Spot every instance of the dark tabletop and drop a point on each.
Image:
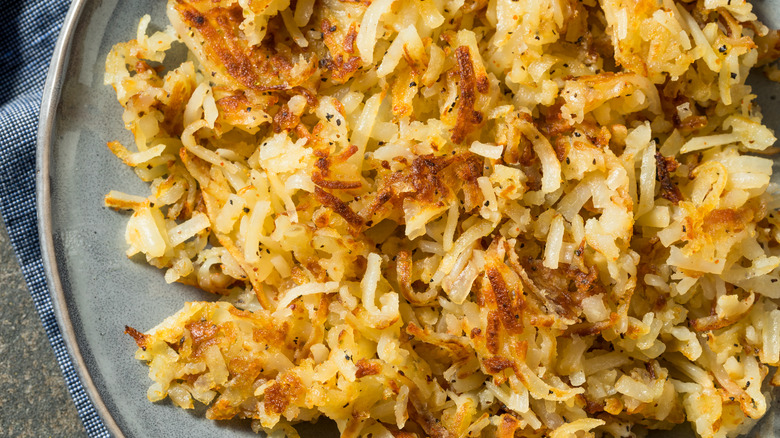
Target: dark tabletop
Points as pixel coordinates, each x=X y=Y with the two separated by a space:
x=34 y=401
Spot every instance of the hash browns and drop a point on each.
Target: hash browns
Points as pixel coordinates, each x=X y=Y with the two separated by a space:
x=458 y=218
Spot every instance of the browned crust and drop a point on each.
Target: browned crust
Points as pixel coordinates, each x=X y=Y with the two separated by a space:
x=727 y=220
x=243 y=373
x=340 y=207
x=326 y=161
x=435 y=181
x=591 y=406
x=173 y=120
x=496 y=364
x=566 y=286
x=508 y=426
x=508 y=308
x=555 y=124
x=284 y=120
x=256 y=68
x=586 y=282
x=342 y=63
x=203 y=334
x=140 y=339
x=669 y=190
x=492 y=335
x=467 y=115
x=279 y=395
x=337 y=185
x=367 y=368
x=403 y=268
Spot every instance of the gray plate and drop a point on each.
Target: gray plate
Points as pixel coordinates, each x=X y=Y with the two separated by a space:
x=96 y=291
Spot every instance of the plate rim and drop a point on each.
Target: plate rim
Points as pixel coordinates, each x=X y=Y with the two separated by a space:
x=50 y=101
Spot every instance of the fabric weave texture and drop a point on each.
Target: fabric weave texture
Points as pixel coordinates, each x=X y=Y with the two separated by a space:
x=27 y=37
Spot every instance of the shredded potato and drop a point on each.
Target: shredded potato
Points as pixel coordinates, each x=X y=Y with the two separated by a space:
x=463 y=218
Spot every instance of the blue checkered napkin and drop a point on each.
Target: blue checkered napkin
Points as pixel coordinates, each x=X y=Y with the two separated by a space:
x=28 y=31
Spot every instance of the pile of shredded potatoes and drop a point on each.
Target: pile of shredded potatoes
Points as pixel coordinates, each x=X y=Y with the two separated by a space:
x=455 y=218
